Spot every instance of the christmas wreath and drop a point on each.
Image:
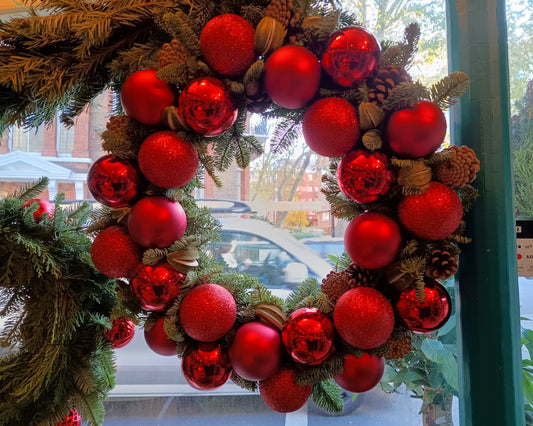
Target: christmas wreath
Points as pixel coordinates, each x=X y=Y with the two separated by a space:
x=188 y=72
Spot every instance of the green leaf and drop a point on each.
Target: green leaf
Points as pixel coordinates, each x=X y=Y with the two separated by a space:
x=447 y=364
x=528 y=388
x=448 y=327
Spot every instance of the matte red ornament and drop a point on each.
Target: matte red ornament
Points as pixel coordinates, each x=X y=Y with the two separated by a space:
x=155 y=287
x=429 y=315
x=156 y=222
x=205 y=366
x=372 y=240
x=114 y=253
x=364 y=176
x=417 y=131
x=145 y=97
x=114 y=182
x=364 y=317
x=308 y=336
x=255 y=352
x=292 y=76
x=158 y=341
x=330 y=127
x=361 y=373
x=228 y=44
x=121 y=332
x=352 y=56
x=45 y=207
x=208 y=312
x=206 y=106
x=167 y=160
x=73 y=419
x=282 y=394
x=433 y=215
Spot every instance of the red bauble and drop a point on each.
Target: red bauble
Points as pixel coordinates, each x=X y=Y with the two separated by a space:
x=156 y=287
x=157 y=339
x=167 y=160
x=205 y=366
x=45 y=207
x=364 y=317
x=228 y=44
x=417 y=131
x=330 y=127
x=114 y=253
x=364 y=176
x=208 y=312
x=145 y=97
x=308 y=336
x=433 y=215
x=429 y=315
x=372 y=240
x=156 y=222
x=292 y=76
x=73 y=419
x=352 y=56
x=361 y=373
x=206 y=106
x=113 y=182
x=255 y=353
x=282 y=394
x=121 y=332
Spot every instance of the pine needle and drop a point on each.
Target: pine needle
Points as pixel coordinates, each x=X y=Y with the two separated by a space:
x=328 y=396
x=447 y=91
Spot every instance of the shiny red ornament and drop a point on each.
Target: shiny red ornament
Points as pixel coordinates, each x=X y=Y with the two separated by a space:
x=364 y=317
x=73 y=419
x=145 y=97
x=282 y=394
x=417 y=131
x=372 y=240
x=429 y=315
x=114 y=182
x=228 y=44
x=330 y=127
x=308 y=336
x=167 y=160
x=157 y=339
x=433 y=215
x=208 y=312
x=156 y=222
x=364 y=176
x=292 y=76
x=45 y=207
x=206 y=366
x=121 y=332
x=206 y=106
x=114 y=253
x=352 y=56
x=255 y=352
x=155 y=287
x=362 y=373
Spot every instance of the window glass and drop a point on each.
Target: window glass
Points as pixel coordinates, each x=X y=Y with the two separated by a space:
x=66 y=140
x=27 y=140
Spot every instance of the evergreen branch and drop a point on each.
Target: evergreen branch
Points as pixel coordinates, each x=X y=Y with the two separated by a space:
x=32 y=189
x=243 y=383
x=446 y=92
x=328 y=396
x=405 y=95
x=285 y=134
x=309 y=288
x=468 y=195
x=179 y=27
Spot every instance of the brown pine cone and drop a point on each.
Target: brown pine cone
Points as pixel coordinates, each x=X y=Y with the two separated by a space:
x=117 y=124
x=281 y=10
x=359 y=277
x=398 y=346
x=460 y=169
x=442 y=264
x=385 y=80
x=257 y=99
x=335 y=285
x=172 y=53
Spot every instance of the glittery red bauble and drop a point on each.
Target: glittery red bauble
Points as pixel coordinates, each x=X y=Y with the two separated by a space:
x=145 y=97
x=330 y=127
x=352 y=56
x=73 y=419
x=292 y=76
x=157 y=339
x=364 y=317
x=433 y=215
x=282 y=394
x=308 y=336
x=372 y=240
x=113 y=182
x=429 y=315
x=364 y=176
x=361 y=373
x=205 y=366
x=255 y=352
x=45 y=207
x=228 y=44
x=167 y=160
x=156 y=287
x=208 y=312
x=206 y=106
x=114 y=253
x=121 y=332
x=156 y=222
x=417 y=131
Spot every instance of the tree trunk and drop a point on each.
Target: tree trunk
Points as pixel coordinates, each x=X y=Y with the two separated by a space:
x=438 y=413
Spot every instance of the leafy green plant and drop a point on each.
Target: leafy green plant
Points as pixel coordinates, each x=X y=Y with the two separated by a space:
x=527 y=374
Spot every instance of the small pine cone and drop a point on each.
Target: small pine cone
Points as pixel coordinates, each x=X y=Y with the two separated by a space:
x=281 y=10
x=398 y=346
x=172 y=53
x=385 y=80
x=442 y=264
x=117 y=124
x=335 y=285
x=359 y=277
x=460 y=169
x=257 y=99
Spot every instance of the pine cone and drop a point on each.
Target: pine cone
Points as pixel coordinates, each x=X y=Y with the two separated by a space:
x=335 y=285
x=398 y=346
x=386 y=79
x=172 y=53
x=460 y=169
x=117 y=124
x=359 y=277
x=257 y=99
x=442 y=264
x=283 y=11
